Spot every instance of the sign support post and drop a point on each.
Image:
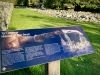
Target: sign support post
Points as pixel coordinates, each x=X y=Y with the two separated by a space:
x=52 y=68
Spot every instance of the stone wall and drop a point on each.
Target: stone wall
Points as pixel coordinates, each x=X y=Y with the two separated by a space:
x=71 y=15
x=5 y=14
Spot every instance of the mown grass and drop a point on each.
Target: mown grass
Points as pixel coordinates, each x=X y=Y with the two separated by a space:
x=83 y=65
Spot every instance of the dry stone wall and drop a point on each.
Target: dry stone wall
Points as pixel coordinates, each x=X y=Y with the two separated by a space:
x=71 y=15
x=5 y=14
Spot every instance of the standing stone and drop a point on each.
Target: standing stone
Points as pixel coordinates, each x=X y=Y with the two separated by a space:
x=5 y=14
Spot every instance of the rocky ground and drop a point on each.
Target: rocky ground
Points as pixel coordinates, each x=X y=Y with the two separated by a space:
x=71 y=14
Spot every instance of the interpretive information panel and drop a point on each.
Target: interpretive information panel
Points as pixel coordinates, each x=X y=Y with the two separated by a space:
x=24 y=48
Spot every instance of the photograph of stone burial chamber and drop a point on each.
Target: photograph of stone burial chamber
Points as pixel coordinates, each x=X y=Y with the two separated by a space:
x=75 y=41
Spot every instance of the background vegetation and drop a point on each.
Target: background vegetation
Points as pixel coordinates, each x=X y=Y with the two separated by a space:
x=77 y=5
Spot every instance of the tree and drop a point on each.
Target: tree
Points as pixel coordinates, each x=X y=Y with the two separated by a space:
x=19 y=2
x=25 y=2
x=49 y=3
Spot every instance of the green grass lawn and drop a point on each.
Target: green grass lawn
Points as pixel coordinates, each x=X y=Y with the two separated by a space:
x=83 y=65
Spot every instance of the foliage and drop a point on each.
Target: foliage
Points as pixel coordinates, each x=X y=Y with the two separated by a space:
x=34 y=3
x=19 y=2
x=49 y=3
x=25 y=2
x=10 y=1
x=87 y=5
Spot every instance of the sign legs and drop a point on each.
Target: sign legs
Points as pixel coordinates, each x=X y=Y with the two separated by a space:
x=52 y=68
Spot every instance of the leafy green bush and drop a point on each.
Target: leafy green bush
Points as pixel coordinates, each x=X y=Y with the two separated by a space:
x=86 y=5
x=10 y=1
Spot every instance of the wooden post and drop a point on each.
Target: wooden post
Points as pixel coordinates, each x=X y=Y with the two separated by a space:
x=52 y=68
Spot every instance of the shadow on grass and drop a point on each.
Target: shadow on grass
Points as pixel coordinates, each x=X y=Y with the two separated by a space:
x=47 y=26
x=30 y=16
